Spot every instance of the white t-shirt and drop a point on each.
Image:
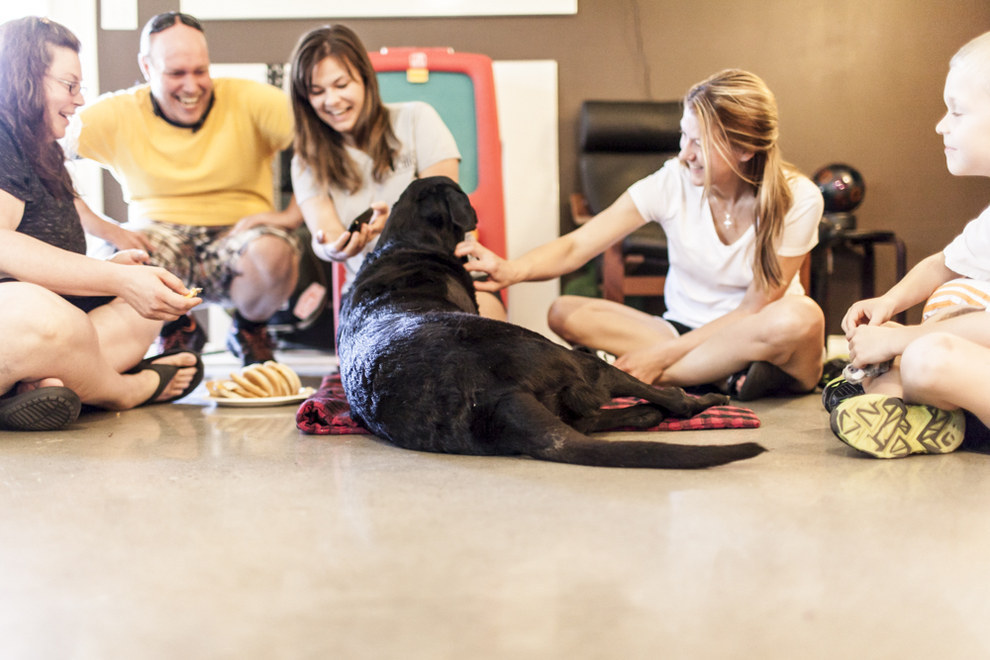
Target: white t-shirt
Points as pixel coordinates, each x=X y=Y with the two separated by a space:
x=708 y=279
x=969 y=253
x=424 y=141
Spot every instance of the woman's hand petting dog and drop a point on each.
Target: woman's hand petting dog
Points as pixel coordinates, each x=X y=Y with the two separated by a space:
x=483 y=260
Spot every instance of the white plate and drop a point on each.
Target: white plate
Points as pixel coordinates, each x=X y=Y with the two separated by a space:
x=263 y=401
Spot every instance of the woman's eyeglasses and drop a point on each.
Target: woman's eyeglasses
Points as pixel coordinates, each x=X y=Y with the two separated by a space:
x=73 y=86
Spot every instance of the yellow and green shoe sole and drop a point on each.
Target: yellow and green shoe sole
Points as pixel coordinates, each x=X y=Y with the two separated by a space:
x=886 y=427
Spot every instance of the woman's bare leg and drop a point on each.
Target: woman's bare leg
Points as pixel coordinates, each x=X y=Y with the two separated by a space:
x=789 y=333
x=490 y=306
x=48 y=338
x=124 y=334
x=606 y=325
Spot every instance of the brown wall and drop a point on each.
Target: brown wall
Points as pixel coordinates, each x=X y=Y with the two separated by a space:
x=857 y=82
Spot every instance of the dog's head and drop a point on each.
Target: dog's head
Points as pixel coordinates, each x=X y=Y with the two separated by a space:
x=432 y=214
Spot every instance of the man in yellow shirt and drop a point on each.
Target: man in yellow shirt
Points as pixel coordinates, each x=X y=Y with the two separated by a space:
x=194 y=157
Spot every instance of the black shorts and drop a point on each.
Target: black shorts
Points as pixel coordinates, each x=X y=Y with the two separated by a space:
x=88 y=303
x=680 y=327
x=85 y=303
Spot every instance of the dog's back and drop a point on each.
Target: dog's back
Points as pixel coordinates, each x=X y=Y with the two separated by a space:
x=422 y=370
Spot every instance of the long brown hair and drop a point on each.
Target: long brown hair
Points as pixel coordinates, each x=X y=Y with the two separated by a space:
x=25 y=55
x=737 y=111
x=320 y=146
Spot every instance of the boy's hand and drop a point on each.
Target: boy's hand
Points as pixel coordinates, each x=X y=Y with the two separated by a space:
x=872 y=311
x=869 y=344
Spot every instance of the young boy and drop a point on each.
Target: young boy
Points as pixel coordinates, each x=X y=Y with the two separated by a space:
x=917 y=406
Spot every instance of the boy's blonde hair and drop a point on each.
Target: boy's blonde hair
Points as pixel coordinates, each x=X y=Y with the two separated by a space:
x=975 y=55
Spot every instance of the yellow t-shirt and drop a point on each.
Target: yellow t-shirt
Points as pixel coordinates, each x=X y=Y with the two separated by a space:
x=213 y=176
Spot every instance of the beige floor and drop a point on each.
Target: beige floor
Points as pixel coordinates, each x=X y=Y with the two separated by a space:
x=190 y=531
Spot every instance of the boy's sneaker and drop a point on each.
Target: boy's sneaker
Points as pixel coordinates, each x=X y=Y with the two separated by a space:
x=251 y=343
x=181 y=335
x=838 y=390
x=832 y=370
x=886 y=427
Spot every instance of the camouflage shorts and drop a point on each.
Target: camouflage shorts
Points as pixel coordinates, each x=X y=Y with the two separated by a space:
x=205 y=257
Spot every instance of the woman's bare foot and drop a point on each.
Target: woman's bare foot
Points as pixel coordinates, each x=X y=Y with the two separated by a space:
x=28 y=385
x=150 y=380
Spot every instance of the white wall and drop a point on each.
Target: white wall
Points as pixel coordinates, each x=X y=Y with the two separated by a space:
x=255 y=9
x=526 y=92
x=80 y=17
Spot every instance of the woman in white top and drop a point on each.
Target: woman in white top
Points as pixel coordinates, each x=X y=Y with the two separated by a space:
x=353 y=152
x=739 y=222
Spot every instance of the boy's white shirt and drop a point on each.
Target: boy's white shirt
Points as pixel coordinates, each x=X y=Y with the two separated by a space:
x=969 y=253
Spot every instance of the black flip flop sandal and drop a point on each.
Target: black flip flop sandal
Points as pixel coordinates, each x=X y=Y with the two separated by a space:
x=165 y=374
x=764 y=379
x=40 y=409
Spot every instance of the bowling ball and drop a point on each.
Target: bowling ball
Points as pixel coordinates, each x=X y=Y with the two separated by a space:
x=842 y=187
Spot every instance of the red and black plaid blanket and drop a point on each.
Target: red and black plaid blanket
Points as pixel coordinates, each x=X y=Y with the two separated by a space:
x=328 y=413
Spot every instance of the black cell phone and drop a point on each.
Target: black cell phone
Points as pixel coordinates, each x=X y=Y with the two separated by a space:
x=362 y=219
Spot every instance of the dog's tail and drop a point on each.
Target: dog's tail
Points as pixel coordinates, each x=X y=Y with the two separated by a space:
x=527 y=427
x=584 y=450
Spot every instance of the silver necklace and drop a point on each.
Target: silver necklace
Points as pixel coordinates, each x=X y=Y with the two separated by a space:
x=727 y=222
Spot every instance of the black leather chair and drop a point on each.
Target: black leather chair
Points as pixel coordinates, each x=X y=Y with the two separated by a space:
x=620 y=142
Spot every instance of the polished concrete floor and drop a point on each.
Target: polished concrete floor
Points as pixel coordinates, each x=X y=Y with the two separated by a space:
x=191 y=531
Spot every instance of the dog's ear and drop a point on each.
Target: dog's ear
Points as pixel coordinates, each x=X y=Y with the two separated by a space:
x=461 y=211
x=446 y=205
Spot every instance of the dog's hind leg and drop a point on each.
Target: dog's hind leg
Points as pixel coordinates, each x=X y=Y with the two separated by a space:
x=672 y=400
x=524 y=426
x=638 y=416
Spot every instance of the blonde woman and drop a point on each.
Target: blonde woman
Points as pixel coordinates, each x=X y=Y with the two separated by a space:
x=739 y=222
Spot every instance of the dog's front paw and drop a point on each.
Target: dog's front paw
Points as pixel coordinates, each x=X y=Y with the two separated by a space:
x=711 y=399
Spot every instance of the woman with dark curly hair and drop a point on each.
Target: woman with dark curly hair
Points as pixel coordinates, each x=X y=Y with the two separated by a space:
x=75 y=328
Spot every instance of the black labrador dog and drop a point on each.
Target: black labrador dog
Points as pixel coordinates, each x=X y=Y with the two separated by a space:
x=422 y=370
